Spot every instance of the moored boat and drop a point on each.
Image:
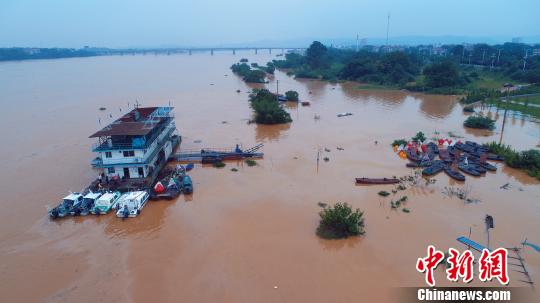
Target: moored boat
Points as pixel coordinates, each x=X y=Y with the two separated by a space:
x=434 y=169
x=377 y=180
x=104 y=203
x=187 y=185
x=83 y=208
x=454 y=174
x=131 y=203
x=419 y=164
x=468 y=169
x=65 y=207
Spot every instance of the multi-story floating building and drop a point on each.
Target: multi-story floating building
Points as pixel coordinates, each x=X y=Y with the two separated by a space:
x=137 y=145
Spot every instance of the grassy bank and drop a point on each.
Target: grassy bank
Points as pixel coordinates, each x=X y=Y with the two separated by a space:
x=528 y=160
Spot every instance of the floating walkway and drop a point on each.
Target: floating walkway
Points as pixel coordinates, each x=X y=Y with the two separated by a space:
x=211 y=155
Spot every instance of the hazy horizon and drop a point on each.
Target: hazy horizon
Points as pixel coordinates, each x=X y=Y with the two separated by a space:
x=63 y=23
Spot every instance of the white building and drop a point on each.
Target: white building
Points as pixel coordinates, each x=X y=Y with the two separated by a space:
x=138 y=144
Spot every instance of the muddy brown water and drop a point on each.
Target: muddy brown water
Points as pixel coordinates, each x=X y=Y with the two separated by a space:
x=242 y=236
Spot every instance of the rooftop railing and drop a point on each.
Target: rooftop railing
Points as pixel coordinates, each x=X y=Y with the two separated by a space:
x=105 y=146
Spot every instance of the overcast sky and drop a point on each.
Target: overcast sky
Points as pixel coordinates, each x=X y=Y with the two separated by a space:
x=137 y=23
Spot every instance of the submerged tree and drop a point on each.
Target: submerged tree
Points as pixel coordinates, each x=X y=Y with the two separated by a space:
x=291 y=95
x=267 y=108
x=340 y=221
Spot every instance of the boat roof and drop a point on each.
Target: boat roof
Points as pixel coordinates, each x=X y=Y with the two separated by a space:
x=92 y=195
x=107 y=196
x=72 y=196
x=132 y=195
x=138 y=122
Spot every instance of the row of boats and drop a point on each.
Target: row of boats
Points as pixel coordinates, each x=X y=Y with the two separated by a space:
x=126 y=205
x=469 y=158
x=129 y=204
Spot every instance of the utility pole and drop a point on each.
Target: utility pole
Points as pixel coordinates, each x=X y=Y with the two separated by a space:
x=387 y=29
x=504 y=116
x=356 y=42
x=498 y=56
x=462 y=53
x=525 y=59
x=483 y=55
x=492 y=59
x=470 y=55
x=277 y=90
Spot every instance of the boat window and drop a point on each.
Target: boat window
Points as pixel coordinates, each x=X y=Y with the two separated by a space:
x=108 y=155
x=129 y=153
x=110 y=170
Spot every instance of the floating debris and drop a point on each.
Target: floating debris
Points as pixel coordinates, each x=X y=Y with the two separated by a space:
x=102 y=108
x=322 y=204
x=340 y=148
x=406 y=210
x=234 y=169
x=326 y=159
x=344 y=114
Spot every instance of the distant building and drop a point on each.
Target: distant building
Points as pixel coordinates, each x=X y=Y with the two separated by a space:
x=536 y=52
x=137 y=145
x=517 y=40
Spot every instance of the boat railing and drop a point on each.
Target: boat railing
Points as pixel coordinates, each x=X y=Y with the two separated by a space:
x=104 y=146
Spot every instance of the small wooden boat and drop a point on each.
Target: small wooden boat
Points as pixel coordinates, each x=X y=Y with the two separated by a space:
x=189 y=166
x=494 y=157
x=434 y=169
x=187 y=185
x=454 y=174
x=468 y=169
x=419 y=164
x=305 y=103
x=434 y=148
x=444 y=155
x=478 y=168
x=486 y=165
x=414 y=156
x=344 y=114
x=377 y=180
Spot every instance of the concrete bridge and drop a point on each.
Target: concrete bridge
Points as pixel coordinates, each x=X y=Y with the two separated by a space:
x=211 y=50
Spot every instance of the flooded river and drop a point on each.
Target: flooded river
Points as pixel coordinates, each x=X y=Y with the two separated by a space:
x=243 y=236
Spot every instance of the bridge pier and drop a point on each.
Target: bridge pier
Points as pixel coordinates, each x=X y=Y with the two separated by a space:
x=269 y=50
x=190 y=52
x=255 y=51
x=282 y=51
x=234 y=51
x=212 y=52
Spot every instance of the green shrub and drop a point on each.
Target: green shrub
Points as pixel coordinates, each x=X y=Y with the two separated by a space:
x=419 y=137
x=479 y=122
x=267 y=108
x=468 y=109
x=399 y=142
x=251 y=162
x=383 y=193
x=291 y=95
x=218 y=164
x=340 y=221
x=234 y=169
x=528 y=160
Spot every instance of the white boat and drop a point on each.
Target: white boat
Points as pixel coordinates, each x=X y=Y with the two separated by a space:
x=104 y=203
x=130 y=204
x=65 y=207
x=85 y=207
